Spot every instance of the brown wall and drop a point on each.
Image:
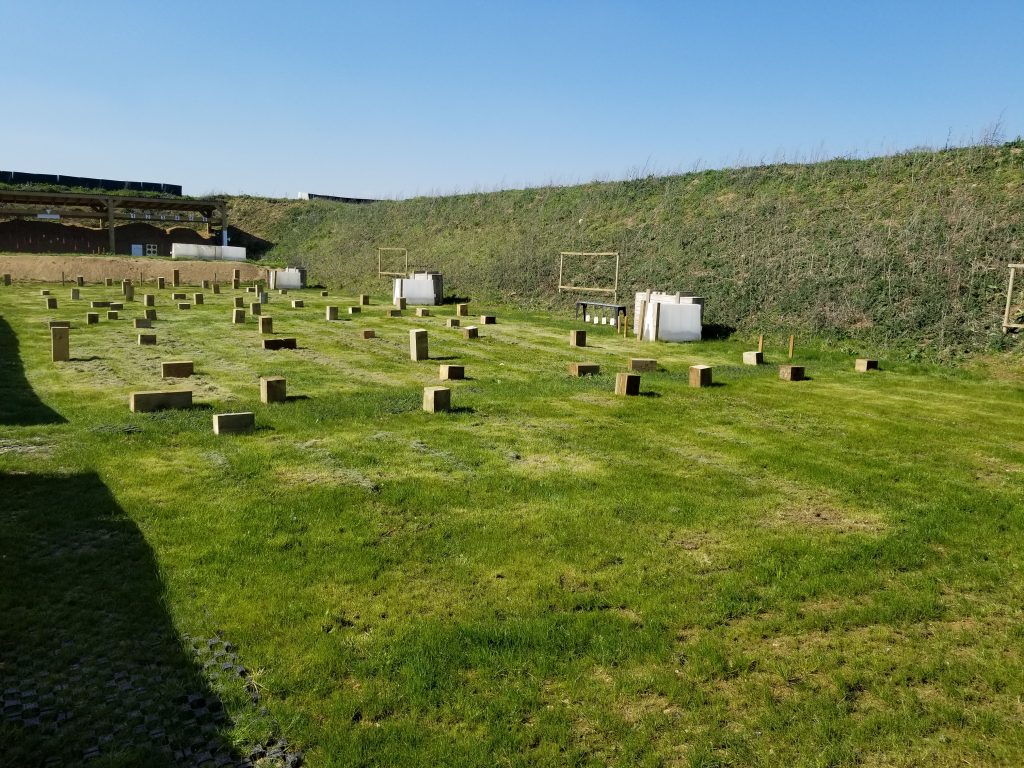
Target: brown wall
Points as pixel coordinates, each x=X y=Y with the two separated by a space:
x=47 y=268
x=30 y=236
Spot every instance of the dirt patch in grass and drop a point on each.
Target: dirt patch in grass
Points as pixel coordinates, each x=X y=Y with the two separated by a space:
x=32 y=446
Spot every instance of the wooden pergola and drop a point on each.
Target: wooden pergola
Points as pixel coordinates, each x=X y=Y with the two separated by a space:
x=108 y=209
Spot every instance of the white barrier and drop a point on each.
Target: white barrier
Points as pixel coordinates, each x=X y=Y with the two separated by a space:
x=207 y=252
x=668 y=317
x=292 y=277
x=420 y=288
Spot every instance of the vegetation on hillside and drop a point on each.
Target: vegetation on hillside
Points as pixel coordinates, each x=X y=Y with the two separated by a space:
x=908 y=250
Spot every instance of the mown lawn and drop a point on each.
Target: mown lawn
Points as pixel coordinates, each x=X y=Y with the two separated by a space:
x=758 y=574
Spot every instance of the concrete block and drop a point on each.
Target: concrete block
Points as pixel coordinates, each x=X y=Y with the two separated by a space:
x=158 y=400
x=642 y=364
x=51 y=302
x=234 y=423
x=791 y=372
x=99 y=304
x=330 y=313
x=238 y=316
x=60 y=345
x=863 y=365
x=422 y=312
x=148 y=300
x=452 y=322
x=418 y=344
x=177 y=297
x=198 y=298
x=627 y=384
x=364 y=299
x=577 y=338
x=184 y=305
x=150 y=314
x=177 y=369
x=239 y=302
x=280 y=344
x=273 y=389
x=452 y=372
x=470 y=332
x=111 y=314
x=91 y=318
x=117 y=306
x=147 y=339
x=143 y=323
x=462 y=310
x=175 y=277
x=700 y=375
x=436 y=399
x=75 y=294
x=400 y=302
x=354 y=310
x=80 y=281
x=160 y=282
x=367 y=334
x=255 y=308
x=584 y=369
x=488 y=319
x=266 y=324
x=298 y=304
x=753 y=358
x=393 y=313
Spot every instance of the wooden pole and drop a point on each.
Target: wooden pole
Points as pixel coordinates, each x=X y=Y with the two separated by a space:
x=760 y=342
x=791 y=339
x=1009 y=301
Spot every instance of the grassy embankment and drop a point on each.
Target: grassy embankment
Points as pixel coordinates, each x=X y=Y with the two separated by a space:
x=909 y=251
x=761 y=573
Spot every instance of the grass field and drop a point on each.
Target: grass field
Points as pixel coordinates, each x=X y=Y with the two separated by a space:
x=763 y=573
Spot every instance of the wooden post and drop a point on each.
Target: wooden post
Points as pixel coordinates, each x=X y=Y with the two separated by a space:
x=110 y=222
x=1009 y=300
x=791 y=339
x=760 y=342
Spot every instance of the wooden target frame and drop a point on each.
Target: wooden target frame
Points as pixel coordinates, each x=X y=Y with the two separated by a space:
x=1007 y=325
x=613 y=289
x=380 y=262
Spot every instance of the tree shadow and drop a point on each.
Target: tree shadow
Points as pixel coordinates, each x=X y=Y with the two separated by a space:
x=20 y=404
x=91 y=663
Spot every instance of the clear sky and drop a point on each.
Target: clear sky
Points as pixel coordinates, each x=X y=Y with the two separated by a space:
x=393 y=99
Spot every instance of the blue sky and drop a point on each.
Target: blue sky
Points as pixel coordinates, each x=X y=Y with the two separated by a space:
x=384 y=99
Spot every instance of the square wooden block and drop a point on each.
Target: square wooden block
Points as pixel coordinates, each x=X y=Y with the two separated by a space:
x=642 y=364
x=266 y=324
x=700 y=375
x=393 y=313
x=584 y=369
x=791 y=372
x=577 y=338
x=422 y=312
x=330 y=313
x=142 y=402
x=627 y=384
x=150 y=314
x=177 y=369
x=273 y=389
x=298 y=304
x=111 y=314
x=470 y=332
x=452 y=322
x=863 y=365
x=60 y=345
x=753 y=358
x=488 y=320
x=184 y=305
x=141 y=322
x=354 y=310
x=147 y=339
x=364 y=299
x=437 y=399
x=462 y=310
x=400 y=302
x=238 y=316
x=234 y=423
x=91 y=318
x=452 y=372
x=418 y=344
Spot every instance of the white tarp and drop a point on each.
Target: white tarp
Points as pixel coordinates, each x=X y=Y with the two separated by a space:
x=292 y=277
x=668 y=317
x=207 y=252
x=420 y=288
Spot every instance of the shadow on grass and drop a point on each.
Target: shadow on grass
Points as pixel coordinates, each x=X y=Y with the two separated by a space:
x=443 y=357
x=295 y=398
x=88 y=359
x=649 y=393
x=19 y=404
x=92 y=664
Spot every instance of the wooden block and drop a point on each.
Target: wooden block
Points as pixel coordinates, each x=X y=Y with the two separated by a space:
x=700 y=375
x=100 y=304
x=184 y=305
x=177 y=369
x=331 y=313
x=354 y=310
x=364 y=299
x=236 y=274
x=418 y=344
x=158 y=400
x=160 y=282
x=753 y=358
x=368 y=334
x=643 y=364
x=323 y=293
x=280 y=344
x=577 y=338
x=400 y=302
x=44 y=292
x=452 y=322
x=266 y=324
x=470 y=332
x=147 y=339
x=422 y=312
x=627 y=384
x=234 y=423
x=150 y=314
x=91 y=318
x=584 y=369
x=488 y=319
x=143 y=323
x=282 y=291
x=177 y=297
x=298 y=304
x=462 y=310
x=436 y=399
x=198 y=298
x=216 y=289
x=80 y=281
x=273 y=389
x=111 y=314
x=452 y=372
x=117 y=306
x=239 y=302
x=393 y=313
x=75 y=294
x=791 y=372
x=238 y=316
x=60 y=345
x=250 y=289
x=255 y=308
x=7 y=278
x=235 y=284
x=148 y=300
x=129 y=292
x=175 y=277
x=863 y=365
x=206 y=285
x=51 y=302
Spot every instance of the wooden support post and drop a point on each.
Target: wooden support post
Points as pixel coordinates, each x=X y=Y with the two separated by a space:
x=760 y=342
x=791 y=341
x=110 y=224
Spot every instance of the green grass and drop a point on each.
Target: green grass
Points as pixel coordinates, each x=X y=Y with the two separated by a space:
x=824 y=573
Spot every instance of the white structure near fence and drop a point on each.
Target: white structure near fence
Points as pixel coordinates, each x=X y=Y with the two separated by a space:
x=668 y=317
x=292 y=277
x=207 y=252
x=420 y=288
